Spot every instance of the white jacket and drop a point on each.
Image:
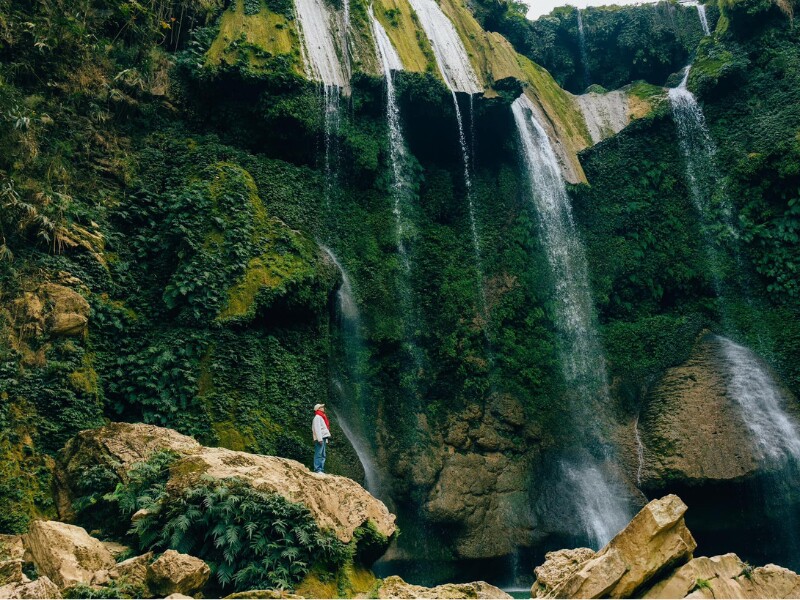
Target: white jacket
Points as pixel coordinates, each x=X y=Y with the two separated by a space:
x=318 y=429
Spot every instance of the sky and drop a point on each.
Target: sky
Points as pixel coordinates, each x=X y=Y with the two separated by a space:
x=542 y=7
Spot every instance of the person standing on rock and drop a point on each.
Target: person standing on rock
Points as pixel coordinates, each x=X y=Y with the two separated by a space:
x=320 y=429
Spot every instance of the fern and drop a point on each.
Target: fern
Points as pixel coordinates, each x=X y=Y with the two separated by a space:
x=251 y=539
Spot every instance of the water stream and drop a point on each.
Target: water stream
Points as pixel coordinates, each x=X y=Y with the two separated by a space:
x=701 y=12
x=352 y=408
x=319 y=33
x=595 y=498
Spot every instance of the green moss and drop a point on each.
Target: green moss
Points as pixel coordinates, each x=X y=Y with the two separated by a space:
x=255 y=39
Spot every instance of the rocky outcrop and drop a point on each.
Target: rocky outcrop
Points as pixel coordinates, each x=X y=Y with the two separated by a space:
x=52 y=309
x=726 y=577
x=656 y=539
x=395 y=587
x=691 y=430
x=66 y=554
x=336 y=503
x=41 y=588
x=652 y=558
x=175 y=573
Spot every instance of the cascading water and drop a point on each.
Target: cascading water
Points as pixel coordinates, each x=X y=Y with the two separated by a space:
x=750 y=384
x=701 y=12
x=596 y=500
x=459 y=76
x=351 y=404
x=639 y=452
x=775 y=438
x=318 y=27
x=390 y=62
x=451 y=56
x=587 y=77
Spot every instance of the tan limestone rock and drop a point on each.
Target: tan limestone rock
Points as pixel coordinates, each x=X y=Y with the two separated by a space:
x=66 y=553
x=557 y=567
x=595 y=578
x=336 y=503
x=41 y=588
x=177 y=596
x=656 y=539
x=133 y=571
x=116 y=549
x=726 y=577
x=11 y=572
x=395 y=587
x=691 y=430
x=11 y=547
x=174 y=572
x=68 y=310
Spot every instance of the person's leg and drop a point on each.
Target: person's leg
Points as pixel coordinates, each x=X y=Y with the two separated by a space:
x=319 y=457
x=324 y=456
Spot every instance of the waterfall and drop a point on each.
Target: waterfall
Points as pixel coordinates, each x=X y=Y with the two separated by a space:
x=390 y=61
x=602 y=512
x=352 y=407
x=699 y=152
x=459 y=76
x=701 y=12
x=317 y=25
x=587 y=78
x=451 y=56
x=761 y=402
x=639 y=452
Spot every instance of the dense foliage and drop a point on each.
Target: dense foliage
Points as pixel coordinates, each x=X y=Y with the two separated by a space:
x=621 y=44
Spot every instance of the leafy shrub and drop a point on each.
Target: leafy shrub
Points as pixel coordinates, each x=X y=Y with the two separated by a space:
x=251 y=539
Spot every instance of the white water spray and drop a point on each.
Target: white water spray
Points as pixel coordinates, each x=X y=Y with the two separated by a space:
x=601 y=511
x=318 y=35
x=448 y=49
x=701 y=12
x=761 y=402
x=587 y=77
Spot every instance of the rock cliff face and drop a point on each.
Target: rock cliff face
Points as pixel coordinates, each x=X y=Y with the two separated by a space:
x=653 y=558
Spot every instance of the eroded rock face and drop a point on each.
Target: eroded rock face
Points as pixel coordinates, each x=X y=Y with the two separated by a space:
x=66 y=554
x=395 y=587
x=41 y=588
x=656 y=539
x=336 y=503
x=692 y=432
x=52 y=309
x=557 y=568
x=175 y=573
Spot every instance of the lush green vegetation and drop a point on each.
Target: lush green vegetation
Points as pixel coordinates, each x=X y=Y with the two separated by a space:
x=187 y=198
x=623 y=43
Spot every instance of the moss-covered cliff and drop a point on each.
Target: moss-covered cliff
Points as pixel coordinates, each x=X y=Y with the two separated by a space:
x=173 y=168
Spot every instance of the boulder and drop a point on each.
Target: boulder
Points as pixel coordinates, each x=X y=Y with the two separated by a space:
x=133 y=571
x=176 y=573
x=116 y=549
x=692 y=431
x=336 y=503
x=11 y=547
x=11 y=572
x=726 y=577
x=68 y=310
x=395 y=587
x=41 y=588
x=655 y=540
x=557 y=567
x=65 y=553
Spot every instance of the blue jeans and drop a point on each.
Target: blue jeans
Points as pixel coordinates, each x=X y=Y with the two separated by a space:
x=320 y=452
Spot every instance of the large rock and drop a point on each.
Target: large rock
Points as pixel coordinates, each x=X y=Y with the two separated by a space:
x=175 y=573
x=557 y=568
x=655 y=540
x=395 y=587
x=726 y=577
x=41 y=588
x=11 y=572
x=65 y=553
x=336 y=503
x=133 y=571
x=692 y=431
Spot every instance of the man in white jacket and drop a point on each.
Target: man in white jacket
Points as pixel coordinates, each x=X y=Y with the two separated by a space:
x=320 y=429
